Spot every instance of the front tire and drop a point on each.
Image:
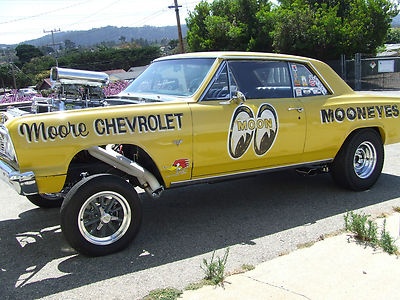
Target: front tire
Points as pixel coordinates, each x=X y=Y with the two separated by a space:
x=359 y=162
x=101 y=215
x=46 y=200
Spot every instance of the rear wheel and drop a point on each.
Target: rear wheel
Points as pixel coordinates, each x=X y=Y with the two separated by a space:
x=359 y=162
x=100 y=215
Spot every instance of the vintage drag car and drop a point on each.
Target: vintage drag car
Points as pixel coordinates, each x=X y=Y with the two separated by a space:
x=190 y=118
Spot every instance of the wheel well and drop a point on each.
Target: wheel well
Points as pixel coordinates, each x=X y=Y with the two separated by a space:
x=138 y=155
x=381 y=132
x=358 y=164
x=378 y=130
x=83 y=163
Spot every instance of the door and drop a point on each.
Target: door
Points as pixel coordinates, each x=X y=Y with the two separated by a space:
x=262 y=128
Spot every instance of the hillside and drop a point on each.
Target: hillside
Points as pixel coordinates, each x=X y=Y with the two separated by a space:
x=95 y=36
x=396 y=21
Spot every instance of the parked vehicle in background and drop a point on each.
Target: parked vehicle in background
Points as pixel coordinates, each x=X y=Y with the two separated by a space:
x=27 y=92
x=189 y=118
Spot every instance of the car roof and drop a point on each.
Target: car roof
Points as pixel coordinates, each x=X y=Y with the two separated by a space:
x=236 y=55
x=330 y=77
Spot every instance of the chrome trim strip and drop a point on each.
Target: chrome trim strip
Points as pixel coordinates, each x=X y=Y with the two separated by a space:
x=23 y=183
x=246 y=173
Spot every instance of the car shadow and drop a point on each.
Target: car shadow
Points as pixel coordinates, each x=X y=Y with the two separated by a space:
x=36 y=261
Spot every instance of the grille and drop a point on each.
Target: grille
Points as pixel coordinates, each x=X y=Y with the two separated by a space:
x=3 y=141
x=2 y=145
x=6 y=147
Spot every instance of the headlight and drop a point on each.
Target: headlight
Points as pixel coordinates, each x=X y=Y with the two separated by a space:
x=6 y=145
x=3 y=118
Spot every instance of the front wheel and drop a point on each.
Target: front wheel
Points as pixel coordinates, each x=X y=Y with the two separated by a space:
x=359 y=162
x=101 y=215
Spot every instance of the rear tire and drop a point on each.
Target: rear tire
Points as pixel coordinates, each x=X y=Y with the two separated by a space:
x=359 y=162
x=101 y=215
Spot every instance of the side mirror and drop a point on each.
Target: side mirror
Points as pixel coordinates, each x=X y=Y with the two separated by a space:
x=238 y=98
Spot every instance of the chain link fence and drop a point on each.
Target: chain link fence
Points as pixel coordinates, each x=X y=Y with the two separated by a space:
x=369 y=73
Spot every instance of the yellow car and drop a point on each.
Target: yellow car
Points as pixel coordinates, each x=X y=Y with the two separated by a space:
x=190 y=118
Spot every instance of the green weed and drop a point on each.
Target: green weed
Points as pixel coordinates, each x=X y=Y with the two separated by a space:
x=247 y=267
x=215 y=268
x=164 y=294
x=197 y=285
x=387 y=242
x=366 y=231
x=396 y=208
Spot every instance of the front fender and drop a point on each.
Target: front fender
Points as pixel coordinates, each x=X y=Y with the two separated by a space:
x=46 y=143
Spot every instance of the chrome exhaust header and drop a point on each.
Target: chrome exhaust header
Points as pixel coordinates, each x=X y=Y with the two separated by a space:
x=73 y=76
x=146 y=179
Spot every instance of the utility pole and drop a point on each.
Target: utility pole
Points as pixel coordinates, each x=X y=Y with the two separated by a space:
x=176 y=6
x=10 y=62
x=53 y=43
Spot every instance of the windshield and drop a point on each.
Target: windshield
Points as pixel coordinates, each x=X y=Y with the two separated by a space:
x=174 y=77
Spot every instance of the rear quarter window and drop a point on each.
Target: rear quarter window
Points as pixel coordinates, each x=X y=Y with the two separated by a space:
x=305 y=82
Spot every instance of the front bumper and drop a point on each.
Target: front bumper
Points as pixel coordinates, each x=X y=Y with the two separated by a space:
x=23 y=183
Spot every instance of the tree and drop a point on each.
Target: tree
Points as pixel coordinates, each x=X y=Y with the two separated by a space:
x=393 y=36
x=368 y=23
x=6 y=76
x=105 y=58
x=26 y=52
x=323 y=29
x=230 y=25
x=38 y=65
x=100 y=59
x=327 y=28
x=310 y=31
x=69 y=45
x=122 y=39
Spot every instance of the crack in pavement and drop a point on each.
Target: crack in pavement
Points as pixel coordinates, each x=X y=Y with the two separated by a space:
x=278 y=287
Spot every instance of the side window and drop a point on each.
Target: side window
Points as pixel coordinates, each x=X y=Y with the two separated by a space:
x=222 y=84
x=305 y=83
x=258 y=79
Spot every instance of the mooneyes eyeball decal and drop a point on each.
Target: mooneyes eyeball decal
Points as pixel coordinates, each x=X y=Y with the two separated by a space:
x=245 y=127
x=240 y=135
x=266 y=129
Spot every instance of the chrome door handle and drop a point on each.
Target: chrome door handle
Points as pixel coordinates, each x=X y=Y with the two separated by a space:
x=299 y=109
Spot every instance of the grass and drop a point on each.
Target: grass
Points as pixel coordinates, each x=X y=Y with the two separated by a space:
x=396 y=209
x=197 y=285
x=215 y=271
x=163 y=294
x=247 y=267
x=215 y=268
x=306 y=245
x=362 y=227
x=365 y=230
x=387 y=242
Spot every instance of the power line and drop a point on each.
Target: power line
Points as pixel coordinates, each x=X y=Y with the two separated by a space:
x=44 y=13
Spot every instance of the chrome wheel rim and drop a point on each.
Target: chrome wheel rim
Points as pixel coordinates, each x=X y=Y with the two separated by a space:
x=365 y=159
x=104 y=218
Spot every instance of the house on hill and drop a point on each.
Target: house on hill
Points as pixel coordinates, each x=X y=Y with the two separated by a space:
x=44 y=85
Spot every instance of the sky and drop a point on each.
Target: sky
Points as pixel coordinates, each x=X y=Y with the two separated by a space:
x=22 y=20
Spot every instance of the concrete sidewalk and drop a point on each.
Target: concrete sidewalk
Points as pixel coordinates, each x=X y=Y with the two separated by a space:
x=336 y=268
